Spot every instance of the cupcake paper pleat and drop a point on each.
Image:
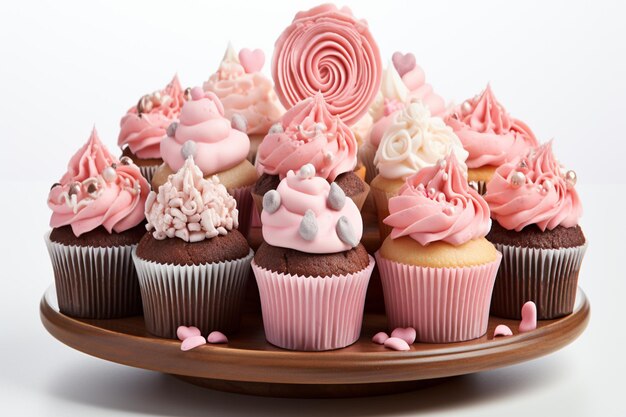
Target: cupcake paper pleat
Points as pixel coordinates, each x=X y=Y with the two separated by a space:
x=244 y=205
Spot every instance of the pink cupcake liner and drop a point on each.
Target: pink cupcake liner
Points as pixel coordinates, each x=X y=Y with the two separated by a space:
x=245 y=204
x=312 y=313
x=443 y=304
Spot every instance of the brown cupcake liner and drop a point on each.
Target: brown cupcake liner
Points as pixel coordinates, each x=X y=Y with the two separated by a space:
x=95 y=282
x=208 y=296
x=244 y=205
x=548 y=277
x=366 y=155
x=147 y=171
x=480 y=186
x=381 y=203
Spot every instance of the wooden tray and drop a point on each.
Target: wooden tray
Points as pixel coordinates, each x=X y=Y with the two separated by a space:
x=248 y=364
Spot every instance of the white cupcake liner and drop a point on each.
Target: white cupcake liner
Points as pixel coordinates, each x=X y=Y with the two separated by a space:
x=548 y=277
x=312 y=313
x=245 y=204
x=148 y=171
x=366 y=155
x=443 y=305
x=95 y=282
x=207 y=296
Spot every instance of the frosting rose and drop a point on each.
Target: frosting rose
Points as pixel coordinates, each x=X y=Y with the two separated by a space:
x=309 y=134
x=437 y=204
x=534 y=189
x=145 y=124
x=327 y=49
x=204 y=133
x=488 y=133
x=308 y=214
x=190 y=207
x=415 y=140
x=98 y=190
x=246 y=91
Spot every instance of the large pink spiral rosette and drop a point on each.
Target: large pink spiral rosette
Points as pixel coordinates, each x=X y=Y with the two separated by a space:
x=327 y=49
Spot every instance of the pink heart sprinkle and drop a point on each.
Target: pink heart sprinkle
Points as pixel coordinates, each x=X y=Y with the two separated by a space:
x=251 y=61
x=502 y=330
x=395 y=343
x=380 y=338
x=529 y=317
x=192 y=342
x=217 y=337
x=184 y=332
x=408 y=334
x=403 y=62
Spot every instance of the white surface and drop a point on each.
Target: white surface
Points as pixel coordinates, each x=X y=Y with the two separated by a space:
x=559 y=66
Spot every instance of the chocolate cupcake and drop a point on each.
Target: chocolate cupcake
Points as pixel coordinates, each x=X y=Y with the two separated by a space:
x=536 y=210
x=97 y=215
x=193 y=264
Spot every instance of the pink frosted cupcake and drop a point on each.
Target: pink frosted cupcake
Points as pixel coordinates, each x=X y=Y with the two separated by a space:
x=490 y=135
x=436 y=267
x=246 y=92
x=312 y=272
x=145 y=124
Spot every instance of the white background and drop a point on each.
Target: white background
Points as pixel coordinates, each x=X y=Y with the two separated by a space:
x=67 y=65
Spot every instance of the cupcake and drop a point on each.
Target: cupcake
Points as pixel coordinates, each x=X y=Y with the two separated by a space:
x=309 y=134
x=97 y=214
x=403 y=82
x=311 y=271
x=145 y=124
x=413 y=140
x=490 y=135
x=193 y=264
x=217 y=148
x=437 y=269
x=246 y=92
x=536 y=211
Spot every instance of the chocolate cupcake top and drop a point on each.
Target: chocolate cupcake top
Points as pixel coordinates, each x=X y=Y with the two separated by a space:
x=98 y=190
x=190 y=207
x=534 y=189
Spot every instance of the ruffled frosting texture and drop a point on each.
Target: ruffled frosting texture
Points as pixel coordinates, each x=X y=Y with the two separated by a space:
x=98 y=190
x=190 y=207
x=309 y=134
x=142 y=129
x=534 y=189
x=488 y=133
x=204 y=133
x=303 y=195
x=245 y=91
x=437 y=204
x=327 y=49
x=415 y=140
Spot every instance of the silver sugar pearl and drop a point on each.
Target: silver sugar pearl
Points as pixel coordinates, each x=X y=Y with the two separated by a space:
x=171 y=129
x=307 y=171
x=188 y=149
x=431 y=192
x=109 y=174
x=124 y=160
x=441 y=163
x=570 y=178
x=466 y=107
x=517 y=179
x=547 y=185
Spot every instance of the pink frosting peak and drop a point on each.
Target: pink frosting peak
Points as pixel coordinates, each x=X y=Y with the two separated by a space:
x=488 y=133
x=145 y=124
x=534 y=189
x=98 y=190
x=327 y=49
x=309 y=134
x=437 y=204
x=308 y=214
x=204 y=133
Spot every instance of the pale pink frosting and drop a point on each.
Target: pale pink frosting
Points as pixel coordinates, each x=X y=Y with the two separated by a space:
x=437 y=204
x=204 y=133
x=116 y=202
x=298 y=195
x=310 y=135
x=142 y=132
x=544 y=198
x=190 y=207
x=488 y=133
x=248 y=94
x=327 y=49
x=419 y=90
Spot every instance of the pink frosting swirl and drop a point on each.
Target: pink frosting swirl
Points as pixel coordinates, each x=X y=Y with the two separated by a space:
x=301 y=216
x=534 y=189
x=142 y=131
x=204 y=133
x=327 y=49
x=309 y=134
x=437 y=204
x=488 y=133
x=98 y=190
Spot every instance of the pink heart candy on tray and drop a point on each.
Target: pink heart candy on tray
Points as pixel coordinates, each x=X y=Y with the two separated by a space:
x=380 y=338
x=192 y=342
x=251 y=61
x=403 y=62
x=395 y=343
x=408 y=334
x=502 y=330
x=529 y=317
x=217 y=337
x=184 y=332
